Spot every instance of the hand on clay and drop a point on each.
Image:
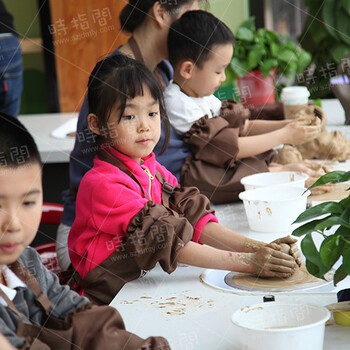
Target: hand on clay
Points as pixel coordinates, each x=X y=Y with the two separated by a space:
x=297 y=134
x=287 y=245
x=269 y=262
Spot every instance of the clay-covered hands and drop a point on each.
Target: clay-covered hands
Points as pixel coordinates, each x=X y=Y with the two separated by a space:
x=296 y=133
x=287 y=245
x=270 y=262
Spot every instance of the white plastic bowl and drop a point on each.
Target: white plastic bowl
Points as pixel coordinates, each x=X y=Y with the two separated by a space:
x=284 y=178
x=278 y=325
x=271 y=209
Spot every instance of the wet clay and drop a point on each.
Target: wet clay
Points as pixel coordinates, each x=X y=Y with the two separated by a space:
x=328 y=145
x=289 y=154
x=301 y=276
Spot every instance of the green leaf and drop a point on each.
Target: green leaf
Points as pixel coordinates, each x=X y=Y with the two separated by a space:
x=339 y=51
x=346 y=259
x=345 y=217
x=274 y=49
x=346 y=5
x=344 y=269
x=340 y=274
x=249 y=24
x=342 y=25
x=332 y=177
x=330 y=221
x=313 y=257
x=287 y=56
x=239 y=67
x=329 y=18
x=254 y=56
x=307 y=228
x=331 y=250
x=304 y=59
x=243 y=33
x=318 y=102
x=268 y=65
x=320 y=209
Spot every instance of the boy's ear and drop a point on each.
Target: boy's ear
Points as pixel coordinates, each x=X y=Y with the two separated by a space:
x=94 y=124
x=186 y=69
x=160 y=14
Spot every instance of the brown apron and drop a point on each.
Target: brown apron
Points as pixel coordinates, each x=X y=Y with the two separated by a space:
x=213 y=166
x=89 y=327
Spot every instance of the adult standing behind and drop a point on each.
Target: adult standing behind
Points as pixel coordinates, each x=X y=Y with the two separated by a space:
x=148 y=21
x=11 y=84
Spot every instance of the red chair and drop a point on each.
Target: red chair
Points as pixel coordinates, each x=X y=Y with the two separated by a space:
x=51 y=214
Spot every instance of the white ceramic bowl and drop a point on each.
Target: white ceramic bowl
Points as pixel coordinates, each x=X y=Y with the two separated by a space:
x=278 y=325
x=284 y=178
x=273 y=209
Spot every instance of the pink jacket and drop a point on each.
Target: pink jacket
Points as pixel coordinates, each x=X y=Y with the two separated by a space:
x=107 y=201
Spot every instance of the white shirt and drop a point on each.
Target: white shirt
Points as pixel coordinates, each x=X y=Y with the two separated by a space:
x=183 y=111
x=12 y=282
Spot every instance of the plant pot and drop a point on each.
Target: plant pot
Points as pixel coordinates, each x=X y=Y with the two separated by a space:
x=255 y=89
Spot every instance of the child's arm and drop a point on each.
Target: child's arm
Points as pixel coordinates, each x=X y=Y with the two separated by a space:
x=63 y=299
x=237 y=253
x=257 y=127
x=264 y=262
x=291 y=133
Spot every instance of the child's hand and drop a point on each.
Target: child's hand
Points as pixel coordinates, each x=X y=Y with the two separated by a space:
x=269 y=262
x=297 y=133
x=287 y=245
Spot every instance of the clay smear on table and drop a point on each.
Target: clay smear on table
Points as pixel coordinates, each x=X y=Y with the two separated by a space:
x=181 y=304
x=301 y=276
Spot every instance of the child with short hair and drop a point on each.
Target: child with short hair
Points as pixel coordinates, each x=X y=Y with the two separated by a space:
x=225 y=144
x=131 y=213
x=37 y=312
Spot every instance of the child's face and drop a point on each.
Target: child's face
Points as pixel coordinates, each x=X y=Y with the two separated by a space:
x=21 y=202
x=206 y=80
x=137 y=131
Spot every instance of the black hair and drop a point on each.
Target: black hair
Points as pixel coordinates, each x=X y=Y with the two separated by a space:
x=135 y=12
x=116 y=79
x=194 y=34
x=17 y=146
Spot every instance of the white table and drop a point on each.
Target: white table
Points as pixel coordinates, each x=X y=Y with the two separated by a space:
x=192 y=315
x=52 y=150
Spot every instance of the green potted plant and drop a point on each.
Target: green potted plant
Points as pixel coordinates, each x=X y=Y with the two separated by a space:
x=332 y=221
x=326 y=35
x=259 y=54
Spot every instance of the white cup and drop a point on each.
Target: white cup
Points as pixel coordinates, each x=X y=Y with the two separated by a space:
x=293 y=98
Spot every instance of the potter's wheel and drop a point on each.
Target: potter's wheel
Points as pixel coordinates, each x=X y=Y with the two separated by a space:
x=225 y=280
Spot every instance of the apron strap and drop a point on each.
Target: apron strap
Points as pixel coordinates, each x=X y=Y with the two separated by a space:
x=107 y=157
x=24 y=275
x=12 y=306
x=167 y=190
x=135 y=49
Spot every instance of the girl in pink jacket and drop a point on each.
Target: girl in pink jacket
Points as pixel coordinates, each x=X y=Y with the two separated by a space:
x=131 y=213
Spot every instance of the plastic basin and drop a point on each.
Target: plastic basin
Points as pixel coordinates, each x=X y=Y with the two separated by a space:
x=284 y=178
x=269 y=209
x=277 y=326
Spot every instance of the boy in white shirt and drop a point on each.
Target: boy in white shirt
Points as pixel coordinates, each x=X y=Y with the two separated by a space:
x=225 y=144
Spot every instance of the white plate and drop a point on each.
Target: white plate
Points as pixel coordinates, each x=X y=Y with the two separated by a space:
x=216 y=279
x=66 y=128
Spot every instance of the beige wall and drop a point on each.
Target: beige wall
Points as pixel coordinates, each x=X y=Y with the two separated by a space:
x=231 y=12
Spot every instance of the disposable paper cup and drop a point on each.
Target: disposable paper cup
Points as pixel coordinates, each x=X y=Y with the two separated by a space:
x=277 y=325
x=293 y=98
